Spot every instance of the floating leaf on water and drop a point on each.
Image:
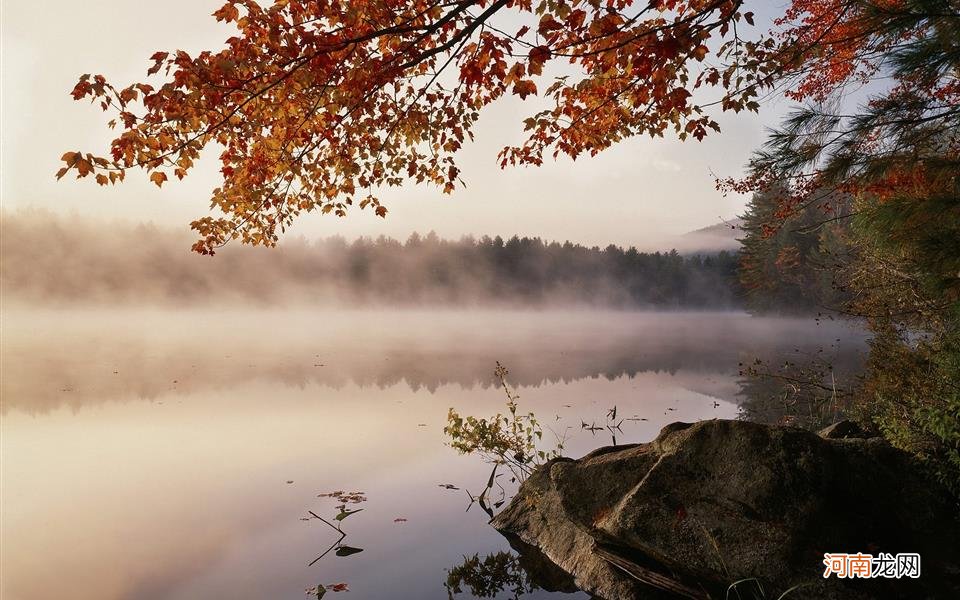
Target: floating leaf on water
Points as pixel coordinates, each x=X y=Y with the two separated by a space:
x=347 y=551
x=317 y=591
x=345 y=497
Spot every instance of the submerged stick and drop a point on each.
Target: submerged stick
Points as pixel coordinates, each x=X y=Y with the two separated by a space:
x=334 y=545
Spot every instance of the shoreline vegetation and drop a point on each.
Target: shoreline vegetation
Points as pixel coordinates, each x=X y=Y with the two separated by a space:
x=711 y=509
x=707 y=506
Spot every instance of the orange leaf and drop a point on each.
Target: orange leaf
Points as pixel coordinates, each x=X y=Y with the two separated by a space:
x=84 y=167
x=524 y=88
x=227 y=13
x=538 y=56
x=158 y=177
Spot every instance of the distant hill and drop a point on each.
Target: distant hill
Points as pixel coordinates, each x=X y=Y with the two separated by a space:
x=713 y=238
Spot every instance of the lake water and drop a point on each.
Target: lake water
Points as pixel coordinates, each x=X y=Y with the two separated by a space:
x=176 y=455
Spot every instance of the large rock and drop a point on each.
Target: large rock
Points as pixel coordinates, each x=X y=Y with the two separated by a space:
x=715 y=502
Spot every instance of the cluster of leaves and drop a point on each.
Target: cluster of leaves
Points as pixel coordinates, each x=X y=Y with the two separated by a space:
x=316 y=105
x=489 y=577
x=904 y=140
x=910 y=266
x=320 y=590
x=511 y=440
x=345 y=497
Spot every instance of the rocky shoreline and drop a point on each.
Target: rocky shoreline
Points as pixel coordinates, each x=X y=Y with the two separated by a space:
x=711 y=503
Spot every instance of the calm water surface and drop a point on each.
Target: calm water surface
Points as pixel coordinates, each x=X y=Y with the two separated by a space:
x=175 y=455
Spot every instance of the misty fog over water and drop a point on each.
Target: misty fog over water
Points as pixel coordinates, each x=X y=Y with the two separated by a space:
x=180 y=449
x=56 y=261
x=176 y=416
x=82 y=357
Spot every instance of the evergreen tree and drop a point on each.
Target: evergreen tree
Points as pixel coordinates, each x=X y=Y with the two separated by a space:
x=792 y=263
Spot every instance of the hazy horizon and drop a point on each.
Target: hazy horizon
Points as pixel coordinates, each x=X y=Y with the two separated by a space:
x=52 y=260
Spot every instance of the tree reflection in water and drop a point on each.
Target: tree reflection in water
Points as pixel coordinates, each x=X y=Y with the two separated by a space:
x=488 y=577
x=803 y=388
x=516 y=573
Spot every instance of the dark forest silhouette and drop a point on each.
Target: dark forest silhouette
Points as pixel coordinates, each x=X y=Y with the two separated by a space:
x=96 y=263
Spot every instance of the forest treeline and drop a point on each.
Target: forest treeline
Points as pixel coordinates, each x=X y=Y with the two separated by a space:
x=94 y=262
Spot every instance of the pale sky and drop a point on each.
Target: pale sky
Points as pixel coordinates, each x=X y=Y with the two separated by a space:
x=640 y=193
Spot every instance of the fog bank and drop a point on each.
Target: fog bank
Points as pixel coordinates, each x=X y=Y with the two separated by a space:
x=55 y=260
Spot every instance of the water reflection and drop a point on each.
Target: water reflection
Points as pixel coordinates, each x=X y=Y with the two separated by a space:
x=148 y=455
x=336 y=523
x=488 y=577
x=809 y=389
x=513 y=574
x=56 y=358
